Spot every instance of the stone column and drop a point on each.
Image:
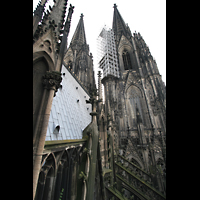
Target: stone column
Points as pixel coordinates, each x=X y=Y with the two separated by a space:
x=51 y=82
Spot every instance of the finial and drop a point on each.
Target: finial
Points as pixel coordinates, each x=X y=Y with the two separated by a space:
x=115 y=6
x=81 y=16
x=99 y=74
x=71 y=7
x=93 y=100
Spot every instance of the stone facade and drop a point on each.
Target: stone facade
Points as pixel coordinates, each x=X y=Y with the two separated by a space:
x=121 y=154
x=136 y=103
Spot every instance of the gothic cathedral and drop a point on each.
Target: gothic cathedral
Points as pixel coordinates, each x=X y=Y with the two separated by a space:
x=85 y=148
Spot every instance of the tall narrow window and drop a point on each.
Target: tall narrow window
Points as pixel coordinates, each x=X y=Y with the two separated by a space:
x=126 y=60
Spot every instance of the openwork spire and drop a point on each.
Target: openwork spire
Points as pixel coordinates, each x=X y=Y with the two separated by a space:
x=119 y=27
x=56 y=14
x=79 y=35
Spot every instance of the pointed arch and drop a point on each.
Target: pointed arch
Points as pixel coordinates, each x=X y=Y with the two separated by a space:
x=58 y=180
x=62 y=174
x=126 y=60
x=140 y=92
x=74 y=154
x=46 y=177
x=135 y=161
x=135 y=96
x=63 y=157
x=50 y=161
x=134 y=99
x=127 y=57
x=42 y=55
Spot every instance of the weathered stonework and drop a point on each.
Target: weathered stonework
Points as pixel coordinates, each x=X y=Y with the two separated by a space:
x=52 y=80
x=122 y=152
x=48 y=51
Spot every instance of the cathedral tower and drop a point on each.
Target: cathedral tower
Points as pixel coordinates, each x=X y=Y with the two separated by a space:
x=78 y=58
x=136 y=101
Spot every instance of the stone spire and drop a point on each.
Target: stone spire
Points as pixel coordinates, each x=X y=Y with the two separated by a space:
x=119 y=27
x=56 y=14
x=40 y=8
x=52 y=19
x=79 y=59
x=38 y=12
x=64 y=38
x=79 y=35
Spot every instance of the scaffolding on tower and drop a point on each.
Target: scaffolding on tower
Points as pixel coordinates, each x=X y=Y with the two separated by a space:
x=106 y=53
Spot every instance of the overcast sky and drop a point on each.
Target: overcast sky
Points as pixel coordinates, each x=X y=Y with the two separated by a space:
x=145 y=16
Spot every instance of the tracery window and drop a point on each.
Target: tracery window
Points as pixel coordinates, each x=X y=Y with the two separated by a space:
x=126 y=60
x=135 y=100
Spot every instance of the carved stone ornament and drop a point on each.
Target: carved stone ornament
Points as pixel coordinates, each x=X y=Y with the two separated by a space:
x=52 y=80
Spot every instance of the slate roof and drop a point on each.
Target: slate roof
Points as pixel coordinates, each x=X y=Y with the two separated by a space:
x=69 y=110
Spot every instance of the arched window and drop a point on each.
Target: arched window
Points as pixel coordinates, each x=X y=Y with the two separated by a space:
x=46 y=178
x=126 y=60
x=135 y=100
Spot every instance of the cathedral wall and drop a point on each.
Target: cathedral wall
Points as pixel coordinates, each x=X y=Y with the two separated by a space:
x=69 y=110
